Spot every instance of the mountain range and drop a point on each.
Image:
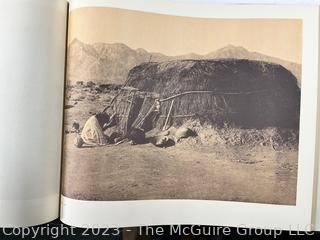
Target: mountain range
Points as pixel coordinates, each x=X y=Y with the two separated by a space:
x=110 y=62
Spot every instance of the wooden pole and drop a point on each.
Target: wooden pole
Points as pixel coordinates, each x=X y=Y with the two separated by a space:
x=212 y=92
x=167 y=119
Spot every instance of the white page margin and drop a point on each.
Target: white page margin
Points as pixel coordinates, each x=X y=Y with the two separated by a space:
x=32 y=46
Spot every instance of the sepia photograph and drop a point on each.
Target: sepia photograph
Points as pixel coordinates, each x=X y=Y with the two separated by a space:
x=173 y=107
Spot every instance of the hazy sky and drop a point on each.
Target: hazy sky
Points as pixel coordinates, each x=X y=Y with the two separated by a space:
x=172 y=35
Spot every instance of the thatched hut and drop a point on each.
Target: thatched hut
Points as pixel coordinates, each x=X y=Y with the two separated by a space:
x=244 y=93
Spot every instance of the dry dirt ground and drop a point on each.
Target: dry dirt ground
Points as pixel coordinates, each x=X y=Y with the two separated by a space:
x=185 y=171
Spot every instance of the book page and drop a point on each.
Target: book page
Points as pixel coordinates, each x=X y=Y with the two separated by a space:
x=190 y=114
x=32 y=47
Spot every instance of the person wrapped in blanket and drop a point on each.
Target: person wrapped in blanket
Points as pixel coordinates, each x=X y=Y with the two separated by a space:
x=92 y=133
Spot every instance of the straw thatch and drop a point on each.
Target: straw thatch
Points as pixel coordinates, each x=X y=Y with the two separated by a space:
x=244 y=93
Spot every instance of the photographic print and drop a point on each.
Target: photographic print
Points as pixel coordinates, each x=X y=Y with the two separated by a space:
x=172 y=107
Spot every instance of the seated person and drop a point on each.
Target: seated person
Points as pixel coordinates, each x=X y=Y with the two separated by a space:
x=93 y=130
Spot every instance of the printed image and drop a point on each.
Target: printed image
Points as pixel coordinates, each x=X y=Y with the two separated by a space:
x=171 y=107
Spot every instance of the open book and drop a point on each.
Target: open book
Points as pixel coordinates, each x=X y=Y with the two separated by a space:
x=135 y=112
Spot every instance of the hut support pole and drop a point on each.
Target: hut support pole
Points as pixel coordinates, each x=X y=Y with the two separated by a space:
x=167 y=119
x=128 y=111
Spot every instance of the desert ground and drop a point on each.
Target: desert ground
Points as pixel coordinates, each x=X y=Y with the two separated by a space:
x=235 y=167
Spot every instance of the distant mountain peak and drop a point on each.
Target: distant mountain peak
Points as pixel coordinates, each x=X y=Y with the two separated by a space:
x=141 y=50
x=231 y=47
x=119 y=45
x=76 y=41
x=111 y=62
